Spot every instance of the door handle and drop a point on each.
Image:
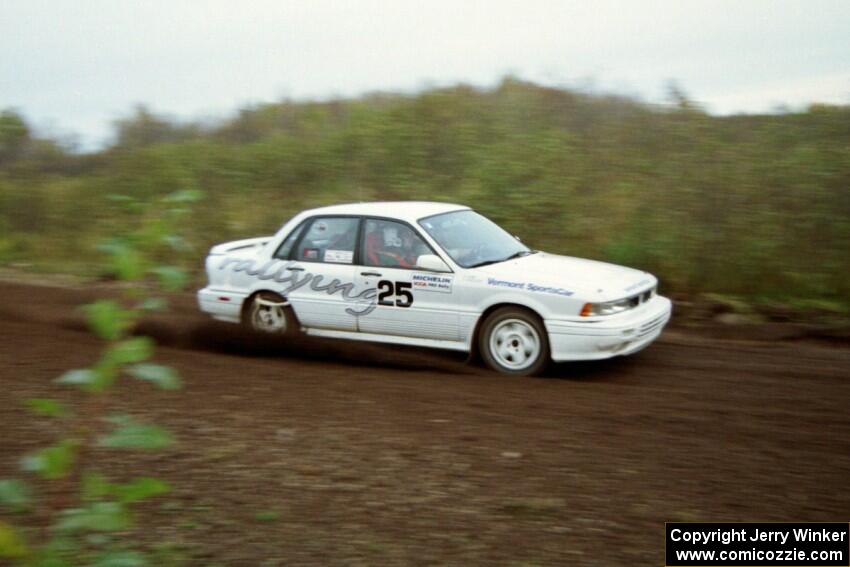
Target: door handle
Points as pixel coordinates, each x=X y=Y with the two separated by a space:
x=296 y=269
x=376 y=274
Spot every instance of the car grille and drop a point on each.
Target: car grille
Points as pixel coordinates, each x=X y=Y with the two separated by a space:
x=652 y=325
x=640 y=298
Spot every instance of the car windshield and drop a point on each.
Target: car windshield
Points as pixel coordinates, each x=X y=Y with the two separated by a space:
x=471 y=239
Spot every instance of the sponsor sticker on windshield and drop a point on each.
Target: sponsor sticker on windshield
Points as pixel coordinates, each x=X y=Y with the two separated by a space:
x=432 y=282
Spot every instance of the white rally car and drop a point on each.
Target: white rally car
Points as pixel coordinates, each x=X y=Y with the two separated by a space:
x=436 y=275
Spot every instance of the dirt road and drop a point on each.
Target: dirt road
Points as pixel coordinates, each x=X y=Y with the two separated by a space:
x=330 y=453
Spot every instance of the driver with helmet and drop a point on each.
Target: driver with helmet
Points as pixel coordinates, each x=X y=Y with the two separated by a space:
x=390 y=244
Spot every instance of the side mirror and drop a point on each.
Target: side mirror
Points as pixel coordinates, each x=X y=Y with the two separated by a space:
x=432 y=263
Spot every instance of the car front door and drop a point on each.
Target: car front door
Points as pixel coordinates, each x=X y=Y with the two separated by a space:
x=321 y=264
x=407 y=301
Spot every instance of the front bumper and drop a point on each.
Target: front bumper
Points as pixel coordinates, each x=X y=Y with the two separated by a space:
x=604 y=337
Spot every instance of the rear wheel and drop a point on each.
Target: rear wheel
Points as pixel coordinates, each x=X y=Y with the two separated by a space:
x=268 y=313
x=513 y=341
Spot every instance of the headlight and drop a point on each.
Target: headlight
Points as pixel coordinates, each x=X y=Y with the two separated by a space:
x=614 y=307
x=608 y=308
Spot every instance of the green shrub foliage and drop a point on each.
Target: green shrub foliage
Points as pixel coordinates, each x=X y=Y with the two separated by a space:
x=78 y=515
x=751 y=205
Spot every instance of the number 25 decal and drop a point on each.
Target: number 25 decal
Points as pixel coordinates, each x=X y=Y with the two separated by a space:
x=387 y=289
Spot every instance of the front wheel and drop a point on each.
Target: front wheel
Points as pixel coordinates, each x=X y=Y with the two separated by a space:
x=268 y=313
x=514 y=341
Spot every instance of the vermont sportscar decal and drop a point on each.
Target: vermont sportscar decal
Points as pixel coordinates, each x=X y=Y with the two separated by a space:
x=529 y=287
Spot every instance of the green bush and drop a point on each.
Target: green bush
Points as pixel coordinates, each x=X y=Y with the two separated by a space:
x=79 y=510
x=755 y=206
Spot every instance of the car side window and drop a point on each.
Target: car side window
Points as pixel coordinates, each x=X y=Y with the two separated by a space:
x=391 y=244
x=330 y=240
x=285 y=249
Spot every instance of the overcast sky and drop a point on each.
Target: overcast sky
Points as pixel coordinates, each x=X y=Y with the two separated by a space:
x=75 y=66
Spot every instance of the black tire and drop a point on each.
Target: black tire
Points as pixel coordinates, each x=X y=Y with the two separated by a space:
x=257 y=310
x=512 y=340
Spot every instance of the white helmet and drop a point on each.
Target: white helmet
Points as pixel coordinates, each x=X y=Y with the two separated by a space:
x=391 y=237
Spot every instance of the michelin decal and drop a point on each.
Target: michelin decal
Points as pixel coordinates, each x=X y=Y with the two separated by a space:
x=430 y=282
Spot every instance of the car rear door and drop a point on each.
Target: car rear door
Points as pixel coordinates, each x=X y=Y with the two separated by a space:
x=323 y=273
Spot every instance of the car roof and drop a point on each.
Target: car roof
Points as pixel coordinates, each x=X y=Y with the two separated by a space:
x=410 y=211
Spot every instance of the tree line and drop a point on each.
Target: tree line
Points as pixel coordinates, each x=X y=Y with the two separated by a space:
x=755 y=206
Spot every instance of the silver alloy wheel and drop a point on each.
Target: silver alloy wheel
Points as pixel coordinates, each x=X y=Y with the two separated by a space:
x=268 y=316
x=515 y=344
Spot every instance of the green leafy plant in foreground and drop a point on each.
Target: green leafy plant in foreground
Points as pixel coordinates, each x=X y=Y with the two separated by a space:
x=71 y=512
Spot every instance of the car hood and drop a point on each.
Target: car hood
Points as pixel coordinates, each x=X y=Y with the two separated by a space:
x=597 y=281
